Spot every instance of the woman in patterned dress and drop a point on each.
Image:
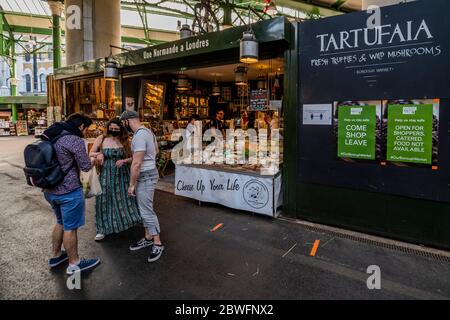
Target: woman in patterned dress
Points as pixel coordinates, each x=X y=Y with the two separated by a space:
x=115 y=211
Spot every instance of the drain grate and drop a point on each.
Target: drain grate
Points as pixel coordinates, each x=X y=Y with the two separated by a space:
x=378 y=243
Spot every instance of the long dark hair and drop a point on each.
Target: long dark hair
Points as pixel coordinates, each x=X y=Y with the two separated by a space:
x=123 y=137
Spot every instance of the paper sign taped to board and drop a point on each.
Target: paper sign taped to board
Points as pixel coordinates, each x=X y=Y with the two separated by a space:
x=317 y=114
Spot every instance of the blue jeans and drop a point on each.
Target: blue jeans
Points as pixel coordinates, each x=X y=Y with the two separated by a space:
x=68 y=208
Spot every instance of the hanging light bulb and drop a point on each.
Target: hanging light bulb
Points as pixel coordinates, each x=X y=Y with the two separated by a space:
x=249 y=47
x=110 y=71
x=240 y=74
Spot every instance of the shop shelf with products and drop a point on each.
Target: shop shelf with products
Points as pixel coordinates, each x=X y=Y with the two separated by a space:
x=5 y=129
x=151 y=100
x=189 y=104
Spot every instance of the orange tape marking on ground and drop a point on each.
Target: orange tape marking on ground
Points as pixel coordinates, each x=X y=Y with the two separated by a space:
x=314 y=248
x=216 y=227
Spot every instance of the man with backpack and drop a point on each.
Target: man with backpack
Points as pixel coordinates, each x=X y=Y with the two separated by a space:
x=54 y=164
x=143 y=179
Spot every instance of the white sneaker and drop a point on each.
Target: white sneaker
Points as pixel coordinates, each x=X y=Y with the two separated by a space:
x=99 y=237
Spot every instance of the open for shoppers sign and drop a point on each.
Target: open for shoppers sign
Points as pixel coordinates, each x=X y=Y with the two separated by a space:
x=356 y=132
x=410 y=133
x=255 y=193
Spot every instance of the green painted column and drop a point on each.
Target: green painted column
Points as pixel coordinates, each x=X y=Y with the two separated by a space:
x=2 y=47
x=56 y=42
x=13 y=85
x=56 y=7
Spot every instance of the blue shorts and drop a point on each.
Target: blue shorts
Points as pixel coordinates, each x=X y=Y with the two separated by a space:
x=69 y=208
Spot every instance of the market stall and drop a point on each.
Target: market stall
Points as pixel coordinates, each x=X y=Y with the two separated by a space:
x=199 y=76
x=97 y=97
x=249 y=96
x=31 y=115
x=7 y=127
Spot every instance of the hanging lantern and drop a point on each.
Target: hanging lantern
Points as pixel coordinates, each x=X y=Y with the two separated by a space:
x=215 y=90
x=111 y=72
x=185 y=31
x=249 y=47
x=182 y=83
x=240 y=74
x=261 y=82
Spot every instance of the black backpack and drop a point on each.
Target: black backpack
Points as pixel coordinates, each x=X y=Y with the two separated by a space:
x=42 y=168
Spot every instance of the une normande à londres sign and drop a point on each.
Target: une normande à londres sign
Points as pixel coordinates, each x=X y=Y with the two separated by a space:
x=176 y=48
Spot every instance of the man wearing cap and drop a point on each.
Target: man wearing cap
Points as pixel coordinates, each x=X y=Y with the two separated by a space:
x=143 y=179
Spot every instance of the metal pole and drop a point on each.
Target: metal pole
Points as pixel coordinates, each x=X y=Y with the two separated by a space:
x=35 y=67
x=56 y=7
x=1 y=35
x=56 y=42
x=13 y=76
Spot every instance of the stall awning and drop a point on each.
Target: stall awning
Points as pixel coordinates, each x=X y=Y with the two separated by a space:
x=267 y=31
x=24 y=100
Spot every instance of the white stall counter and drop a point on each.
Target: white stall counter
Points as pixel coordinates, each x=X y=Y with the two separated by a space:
x=243 y=190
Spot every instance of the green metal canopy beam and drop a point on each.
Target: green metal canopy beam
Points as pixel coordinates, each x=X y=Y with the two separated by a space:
x=24 y=100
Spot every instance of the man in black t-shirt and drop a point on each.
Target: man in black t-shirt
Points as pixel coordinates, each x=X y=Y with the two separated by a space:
x=218 y=122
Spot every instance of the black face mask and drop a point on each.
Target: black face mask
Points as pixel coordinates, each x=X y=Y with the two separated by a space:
x=113 y=133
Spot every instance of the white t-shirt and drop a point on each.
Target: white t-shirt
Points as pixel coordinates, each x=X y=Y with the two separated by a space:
x=189 y=130
x=144 y=140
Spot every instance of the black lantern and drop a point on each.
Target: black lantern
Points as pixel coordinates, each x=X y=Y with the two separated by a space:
x=185 y=31
x=215 y=90
x=240 y=74
x=182 y=82
x=261 y=82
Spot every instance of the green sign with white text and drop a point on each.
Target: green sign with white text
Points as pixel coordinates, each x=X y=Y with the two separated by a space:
x=410 y=133
x=356 y=132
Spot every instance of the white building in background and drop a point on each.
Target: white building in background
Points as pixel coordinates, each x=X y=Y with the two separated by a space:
x=25 y=71
x=4 y=78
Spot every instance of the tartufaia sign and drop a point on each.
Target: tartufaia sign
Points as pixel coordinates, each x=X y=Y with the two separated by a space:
x=408 y=31
x=386 y=61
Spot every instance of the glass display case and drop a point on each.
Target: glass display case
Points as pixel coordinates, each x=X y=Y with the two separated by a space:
x=151 y=100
